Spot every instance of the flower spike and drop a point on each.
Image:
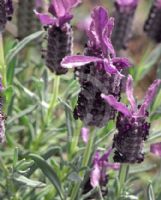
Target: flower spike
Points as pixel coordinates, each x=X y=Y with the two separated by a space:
x=132 y=127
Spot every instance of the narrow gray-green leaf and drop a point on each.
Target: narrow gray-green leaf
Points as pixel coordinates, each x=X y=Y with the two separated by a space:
x=13 y=52
x=28 y=182
x=48 y=172
x=150 y=192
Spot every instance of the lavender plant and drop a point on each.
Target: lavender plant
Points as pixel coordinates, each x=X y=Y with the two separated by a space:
x=45 y=153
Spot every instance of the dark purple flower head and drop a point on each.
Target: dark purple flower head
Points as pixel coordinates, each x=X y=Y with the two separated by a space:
x=59 y=12
x=124 y=15
x=156 y=149
x=152 y=24
x=127 y=5
x=131 y=124
x=100 y=166
x=6 y=11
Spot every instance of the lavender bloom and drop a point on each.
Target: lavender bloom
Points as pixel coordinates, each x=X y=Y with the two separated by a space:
x=85 y=134
x=27 y=23
x=124 y=15
x=98 y=175
x=152 y=25
x=100 y=166
x=6 y=11
x=98 y=70
x=156 y=149
x=59 y=33
x=133 y=129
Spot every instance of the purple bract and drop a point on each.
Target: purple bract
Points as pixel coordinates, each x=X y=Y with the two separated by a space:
x=156 y=149
x=100 y=165
x=59 y=12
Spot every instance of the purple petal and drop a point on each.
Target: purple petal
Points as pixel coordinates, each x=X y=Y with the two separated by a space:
x=117 y=105
x=60 y=8
x=95 y=176
x=121 y=63
x=66 y=18
x=109 y=67
x=76 y=61
x=57 y=8
x=149 y=97
x=85 y=134
x=106 y=155
x=45 y=19
x=156 y=149
x=100 y=30
x=129 y=93
x=114 y=166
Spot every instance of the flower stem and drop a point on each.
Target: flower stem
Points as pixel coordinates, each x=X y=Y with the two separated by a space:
x=123 y=174
x=2 y=62
x=54 y=98
x=85 y=161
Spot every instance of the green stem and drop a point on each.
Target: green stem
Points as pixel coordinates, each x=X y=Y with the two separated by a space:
x=123 y=174
x=85 y=161
x=54 y=98
x=2 y=62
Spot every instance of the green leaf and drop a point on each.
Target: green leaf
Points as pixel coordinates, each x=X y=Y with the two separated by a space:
x=28 y=182
x=149 y=61
x=150 y=192
x=22 y=113
x=13 y=52
x=50 y=152
x=48 y=172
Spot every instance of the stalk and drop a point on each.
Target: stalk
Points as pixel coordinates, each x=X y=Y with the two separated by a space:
x=54 y=97
x=123 y=174
x=85 y=161
x=2 y=62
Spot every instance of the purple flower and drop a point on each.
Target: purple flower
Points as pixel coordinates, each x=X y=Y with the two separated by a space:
x=60 y=12
x=100 y=166
x=124 y=15
x=98 y=70
x=85 y=134
x=59 y=40
x=156 y=149
x=131 y=124
x=153 y=23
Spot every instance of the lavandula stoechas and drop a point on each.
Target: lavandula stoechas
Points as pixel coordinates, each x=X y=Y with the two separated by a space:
x=152 y=25
x=59 y=42
x=98 y=175
x=27 y=23
x=6 y=11
x=124 y=15
x=98 y=70
x=132 y=125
